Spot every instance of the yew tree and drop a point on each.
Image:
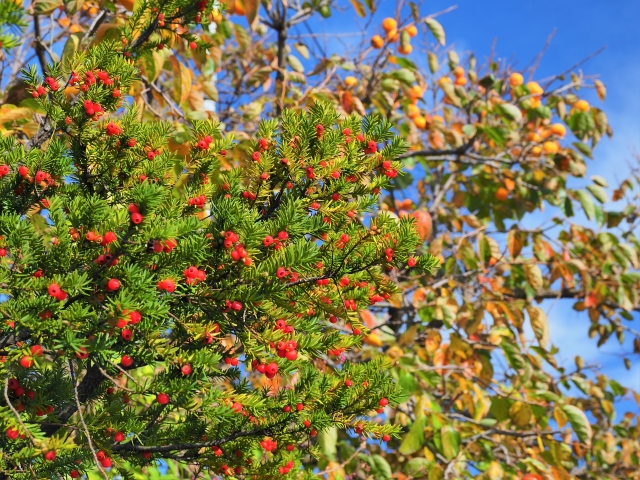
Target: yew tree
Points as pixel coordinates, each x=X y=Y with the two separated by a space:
x=210 y=216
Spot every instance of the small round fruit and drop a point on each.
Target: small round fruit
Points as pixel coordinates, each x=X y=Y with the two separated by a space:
x=582 y=105
x=162 y=398
x=412 y=30
x=350 y=81
x=502 y=194
x=50 y=456
x=113 y=285
x=405 y=49
x=126 y=361
x=389 y=24
x=516 y=79
x=558 y=129
x=550 y=148
x=26 y=361
x=377 y=41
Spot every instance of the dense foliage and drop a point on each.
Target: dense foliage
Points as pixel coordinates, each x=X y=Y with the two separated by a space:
x=245 y=213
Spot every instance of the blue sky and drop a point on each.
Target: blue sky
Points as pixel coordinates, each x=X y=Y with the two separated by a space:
x=520 y=30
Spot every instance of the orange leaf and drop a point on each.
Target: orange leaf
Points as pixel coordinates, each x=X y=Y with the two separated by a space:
x=347 y=101
x=251 y=8
x=423 y=223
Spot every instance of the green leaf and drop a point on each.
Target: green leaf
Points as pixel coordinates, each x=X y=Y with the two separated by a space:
x=381 y=468
x=414 y=439
x=436 y=30
x=450 y=441
x=417 y=467
x=406 y=63
x=70 y=47
x=302 y=50
x=579 y=423
x=583 y=148
x=587 y=203
x=295 y=64
x=327 y=440
x=510 y=111
x=597 y=179
x=433 y=62
x=404 y=75
x=359 y=7
x=599 y=193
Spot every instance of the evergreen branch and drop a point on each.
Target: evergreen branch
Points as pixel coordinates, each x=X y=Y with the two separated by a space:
x=15 y=412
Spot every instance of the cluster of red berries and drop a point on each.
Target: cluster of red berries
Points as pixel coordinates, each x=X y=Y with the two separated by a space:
x=230 y=238
x=136 y=217
x=105 y=259
x=287 y=349
x=284 y=470
x=217 y=451
x=103 y=459
x=249 y=195
x=113 y=129
x=336 y=352
x=281 y=325
x=158 y=246
x=239 y=253
x=56 y=292
x=198 y=201
x=277 y=241
x=104 y=240
x=192 y=275
x=388 y=171
x=205 y=142
x=93 y=109
x=233 y=361
x=18 y=390
x=167 y=285
x=40 y=90
x=350 y=304
x=229 y=305
x=269 y=444
x=53 y=85
x=319 y=130
x=268 y=369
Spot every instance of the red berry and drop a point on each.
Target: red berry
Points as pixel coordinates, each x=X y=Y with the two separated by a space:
x=101 y=455
x=186 y=369
x=386 y=438
x=118 y=437
x=286 y=409
x=299 y=407
x=135 y=317
x=106 y=463
x=26 y=361
x=36 y=351
x=74 y=473
x=136 y=218
x=13 y=433
x=110 y=237
x=126 y=361
x=50 y=456
x=162 y=398
x=126 y=334
x=23 y=171
x=113 y=285
x=193 y=45
x=384 y=402
x=54 y=289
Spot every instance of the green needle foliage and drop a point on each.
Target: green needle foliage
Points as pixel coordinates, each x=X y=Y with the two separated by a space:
x=155 y=313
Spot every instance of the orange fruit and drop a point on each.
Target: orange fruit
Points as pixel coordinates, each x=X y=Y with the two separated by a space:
x=458 y=71
x=216 y=16
x=416 y=91
x=461 y=81
x=377 y=41
x=535 y=88
x=412 y=111
x=558 y=129
x=535 y=102
x=127 y=4
x=502 y=194
x=389 y=24
x=582 y=105
x=550 y=148
x=405 y=50
x=392 y=59
x=536 y=151
x=516 y=79
x=444 y=80
x=534 y=137
x=412 y=30
x=420 y=122
x=392 y=35
x=350 y=81
x=93 y=11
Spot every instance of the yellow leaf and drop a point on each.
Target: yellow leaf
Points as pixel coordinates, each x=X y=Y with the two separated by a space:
x=432 y=341
x=9 y=115
x=495 y=471
x=373 y=339
x=534 y=276
x=520 y=414
x=359 y=7
x=539 y=324
x=181 y=81
x=560 y=417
